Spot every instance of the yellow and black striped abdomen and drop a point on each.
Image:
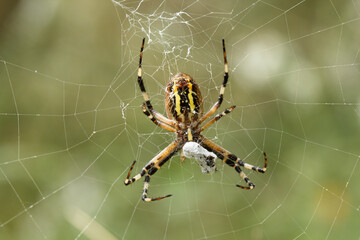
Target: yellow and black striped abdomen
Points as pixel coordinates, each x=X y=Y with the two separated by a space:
x=183 y=101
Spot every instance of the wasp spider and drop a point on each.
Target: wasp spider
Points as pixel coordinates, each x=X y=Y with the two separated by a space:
x=184 y=108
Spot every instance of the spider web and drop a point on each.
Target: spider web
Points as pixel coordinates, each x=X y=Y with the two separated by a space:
x=71 y=119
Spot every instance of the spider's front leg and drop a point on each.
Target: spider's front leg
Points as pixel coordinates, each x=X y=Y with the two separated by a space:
x=152 y=166
x=145 y=191
x=167 y=154
x=233 y=161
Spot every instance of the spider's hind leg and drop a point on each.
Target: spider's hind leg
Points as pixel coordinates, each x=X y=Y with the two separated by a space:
x=154 y=114
x=154 y=120
x=222 y=89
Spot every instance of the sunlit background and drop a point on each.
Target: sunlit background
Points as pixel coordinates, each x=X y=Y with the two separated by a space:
x=71 y=121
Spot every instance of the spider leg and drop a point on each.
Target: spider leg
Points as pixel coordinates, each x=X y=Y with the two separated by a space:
x=252 y=167
x=153 y=170
x=159 y=123
x=145 y=191
x=231 y=160
x=222 y=89
x=162 y=118
x=182 y=157
x=152 y=166
x=145 y=95
x=217 y=117
x=170 y=150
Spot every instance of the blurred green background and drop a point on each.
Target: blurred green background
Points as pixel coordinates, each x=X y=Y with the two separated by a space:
x=71 y=121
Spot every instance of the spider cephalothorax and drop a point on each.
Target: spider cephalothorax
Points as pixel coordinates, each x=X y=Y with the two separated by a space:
x=184 y=108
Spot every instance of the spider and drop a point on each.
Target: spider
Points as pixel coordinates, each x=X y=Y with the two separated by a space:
x=184 y=108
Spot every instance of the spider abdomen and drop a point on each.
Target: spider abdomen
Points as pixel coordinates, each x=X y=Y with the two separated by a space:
x=183 y=101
